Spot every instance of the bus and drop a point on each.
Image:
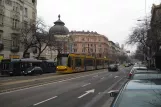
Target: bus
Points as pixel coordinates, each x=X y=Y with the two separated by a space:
x=17 y=66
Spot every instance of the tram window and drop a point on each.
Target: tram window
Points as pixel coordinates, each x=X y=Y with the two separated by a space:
x=5 y=66
x=69 y=61
x=89 y=62
x=99 y=62
x=78 y=62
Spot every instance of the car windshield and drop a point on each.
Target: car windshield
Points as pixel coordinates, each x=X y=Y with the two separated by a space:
x=139 y=98
x=30 y=68
x=146 y=76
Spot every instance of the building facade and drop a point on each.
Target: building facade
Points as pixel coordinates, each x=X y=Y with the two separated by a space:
x=89 y=43
x=115 y=52
x=14 y=15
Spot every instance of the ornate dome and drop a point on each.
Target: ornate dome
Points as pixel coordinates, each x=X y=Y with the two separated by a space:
x=59 y=28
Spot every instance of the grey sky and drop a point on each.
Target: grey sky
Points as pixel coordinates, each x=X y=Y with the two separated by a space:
x=112 y=18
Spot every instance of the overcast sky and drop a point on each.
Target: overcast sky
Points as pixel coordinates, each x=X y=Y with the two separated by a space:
x=112 y=18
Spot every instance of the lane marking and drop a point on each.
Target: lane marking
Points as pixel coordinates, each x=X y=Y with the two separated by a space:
x=45 y=101
x=116 y=76
x=86 y=84
x=95 y=76
x=102 y=78
x=100 y=95
x=52 y=83
x=87 y=92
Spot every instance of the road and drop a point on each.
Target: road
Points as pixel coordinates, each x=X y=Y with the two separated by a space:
x=89 y=90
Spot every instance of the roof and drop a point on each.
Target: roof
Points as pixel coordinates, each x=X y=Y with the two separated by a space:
x=143 y=84
x=153 y=11
x=59 y=28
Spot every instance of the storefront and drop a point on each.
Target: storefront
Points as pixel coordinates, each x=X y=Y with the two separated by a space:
x=14 y=56
x=1 y=56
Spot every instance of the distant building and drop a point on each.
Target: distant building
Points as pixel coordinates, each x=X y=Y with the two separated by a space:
x=89 y=43
x=115 y=51
x=14 y=14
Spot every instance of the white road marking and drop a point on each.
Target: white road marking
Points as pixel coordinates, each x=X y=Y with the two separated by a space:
x=52 y=83
x=99 y=96
x=95 y=76
x=87 y=92
x=111 y=91
x=86 y=84
x=45 y=101
x=102 y=78
x=116 y=76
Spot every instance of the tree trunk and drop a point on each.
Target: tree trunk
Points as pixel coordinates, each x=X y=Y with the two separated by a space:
x=25 y=51
x=41 y=51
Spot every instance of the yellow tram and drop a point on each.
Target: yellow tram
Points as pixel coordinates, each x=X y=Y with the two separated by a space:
x=69 y=63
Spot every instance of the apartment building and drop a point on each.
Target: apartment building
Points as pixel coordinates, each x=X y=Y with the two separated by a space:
x=14 y=15
x=89 y=43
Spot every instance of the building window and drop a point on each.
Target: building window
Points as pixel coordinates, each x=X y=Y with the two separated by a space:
x=26 y=12
x=82 y=50
x=75 y=44
x=0 y=2
x=15 y=23
x=91 y=45
x=21 y=8
x=0 y=36
x=14 y=41
x=33 y=16
x=75 y=50
x=1 y=18
x=91 y=50
x=16 y=9
x=100 y=45
x=88 y=39
x=82 y=39
x=25 y=24
x=100 y=50
x=8 y=2
x=33 y=1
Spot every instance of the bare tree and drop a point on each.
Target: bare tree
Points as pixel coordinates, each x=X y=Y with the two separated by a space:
x=34 y=36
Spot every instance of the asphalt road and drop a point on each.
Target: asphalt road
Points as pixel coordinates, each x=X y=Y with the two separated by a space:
x=81 y=91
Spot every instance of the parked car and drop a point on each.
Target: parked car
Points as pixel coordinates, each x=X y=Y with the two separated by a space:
x=33 y=70
x=113 y=67
x=127 y=65
x=138 y=93
x=146 y=76
x=136 y=69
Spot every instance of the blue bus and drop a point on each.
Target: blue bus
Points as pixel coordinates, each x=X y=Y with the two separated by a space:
x=16 y=66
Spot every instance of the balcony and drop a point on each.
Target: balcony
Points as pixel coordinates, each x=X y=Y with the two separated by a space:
x=14 y=49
